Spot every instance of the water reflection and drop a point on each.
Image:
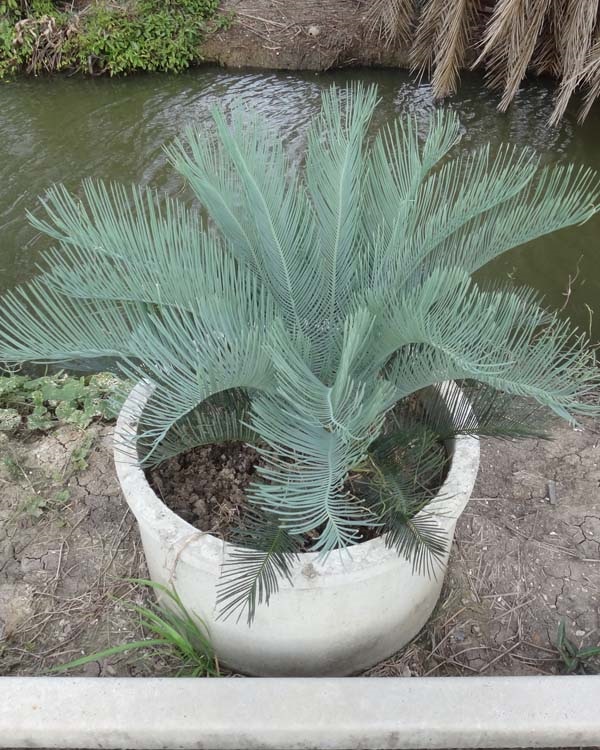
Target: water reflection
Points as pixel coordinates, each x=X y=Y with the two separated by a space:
x=64 y=129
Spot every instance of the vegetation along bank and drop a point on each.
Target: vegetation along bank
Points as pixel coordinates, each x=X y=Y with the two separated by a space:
x=506 y=38
x=41 y=36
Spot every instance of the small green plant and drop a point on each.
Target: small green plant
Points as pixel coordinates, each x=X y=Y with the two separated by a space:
x=172 y=632
x=42 y=7
x=48 y=401
x=12 y=467
x=34 y=506
x=36 y=500
x=80 y=454
x=12 y=57
x=313 y=313
x=43 y=491
x=9 y=7
x=575 y=660
x=61 y=496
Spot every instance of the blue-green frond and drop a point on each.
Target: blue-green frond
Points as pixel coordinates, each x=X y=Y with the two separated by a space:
x=558 y=196
x=306 y=468
x=191 y=362
x=38 y=324
x=221 y=419
x=262 y=554
x=400 y=158
x=502 y=337
x=260 y=205
x=124 y=245
x=336 y=166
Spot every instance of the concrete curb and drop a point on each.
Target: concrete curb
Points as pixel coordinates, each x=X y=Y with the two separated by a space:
x=300 y=713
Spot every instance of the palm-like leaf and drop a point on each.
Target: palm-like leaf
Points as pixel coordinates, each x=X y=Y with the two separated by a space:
x=391 y=19
x=335 y=173
x=263 y=553
x=478 y=409
x=407 y=464
x=255 y=199
x=444 y=35
x=221 y=419
x=309 y=307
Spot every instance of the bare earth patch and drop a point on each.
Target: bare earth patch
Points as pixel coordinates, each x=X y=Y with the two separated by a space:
x=526 y=554
x=62 y=565
x=301 y=35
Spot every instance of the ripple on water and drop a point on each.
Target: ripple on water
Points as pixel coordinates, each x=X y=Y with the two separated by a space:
x=65 y=129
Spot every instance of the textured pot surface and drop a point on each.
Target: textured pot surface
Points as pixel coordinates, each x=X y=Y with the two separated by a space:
x=338 y=616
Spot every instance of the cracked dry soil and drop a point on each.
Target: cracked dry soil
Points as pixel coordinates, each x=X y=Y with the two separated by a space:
x=526 y=554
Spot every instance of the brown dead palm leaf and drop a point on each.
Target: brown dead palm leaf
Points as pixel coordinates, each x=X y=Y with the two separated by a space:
x=431 y=21
x=509 y=43
x=574 y=44
x=523 y=42
x=544 y=59
x=453 y=42
x=545 y=36
x=546 y=56
x=591 y=78
x=391 y=20
x=494 y=43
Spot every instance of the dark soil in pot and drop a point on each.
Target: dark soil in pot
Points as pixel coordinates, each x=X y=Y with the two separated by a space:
x=207 y=486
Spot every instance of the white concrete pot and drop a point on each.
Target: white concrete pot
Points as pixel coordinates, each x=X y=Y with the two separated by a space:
x=337 y=617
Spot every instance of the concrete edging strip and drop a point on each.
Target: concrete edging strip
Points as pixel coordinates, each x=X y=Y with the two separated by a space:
x=300 y=713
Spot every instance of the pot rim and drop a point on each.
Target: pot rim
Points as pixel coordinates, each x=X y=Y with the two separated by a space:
x=195 y=546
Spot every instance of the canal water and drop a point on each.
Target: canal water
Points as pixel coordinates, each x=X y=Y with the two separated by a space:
x=65 y=129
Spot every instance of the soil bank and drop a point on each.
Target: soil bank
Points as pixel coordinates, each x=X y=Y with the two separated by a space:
x=300 y=35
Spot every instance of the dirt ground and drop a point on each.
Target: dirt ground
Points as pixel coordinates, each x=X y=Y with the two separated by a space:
x=526 y=554
x=301 y=35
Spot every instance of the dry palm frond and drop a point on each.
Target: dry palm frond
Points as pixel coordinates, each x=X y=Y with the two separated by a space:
x=431 y=22
x=523 y=41
x=544 y=60
x=591 y=78
x=546 y=36
x=574 y=43
x=509 y=43
x=391 y=20
x=546 y=56
x=495 y=42
x=453 y=43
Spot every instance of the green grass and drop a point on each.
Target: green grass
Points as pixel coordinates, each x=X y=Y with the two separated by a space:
x=171 y=630
x=575 y=660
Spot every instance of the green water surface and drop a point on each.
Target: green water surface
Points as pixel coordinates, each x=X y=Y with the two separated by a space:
x=65 y=129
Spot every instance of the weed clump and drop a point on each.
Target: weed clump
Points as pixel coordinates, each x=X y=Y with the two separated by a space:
x=48 y=401
x=37 y=36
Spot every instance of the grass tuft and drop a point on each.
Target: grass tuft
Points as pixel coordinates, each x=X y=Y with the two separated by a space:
x=172 y=631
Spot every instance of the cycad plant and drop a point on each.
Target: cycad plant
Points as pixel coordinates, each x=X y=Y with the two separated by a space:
x=305 y=315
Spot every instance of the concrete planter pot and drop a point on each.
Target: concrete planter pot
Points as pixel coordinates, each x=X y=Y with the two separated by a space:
x=339 y=616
